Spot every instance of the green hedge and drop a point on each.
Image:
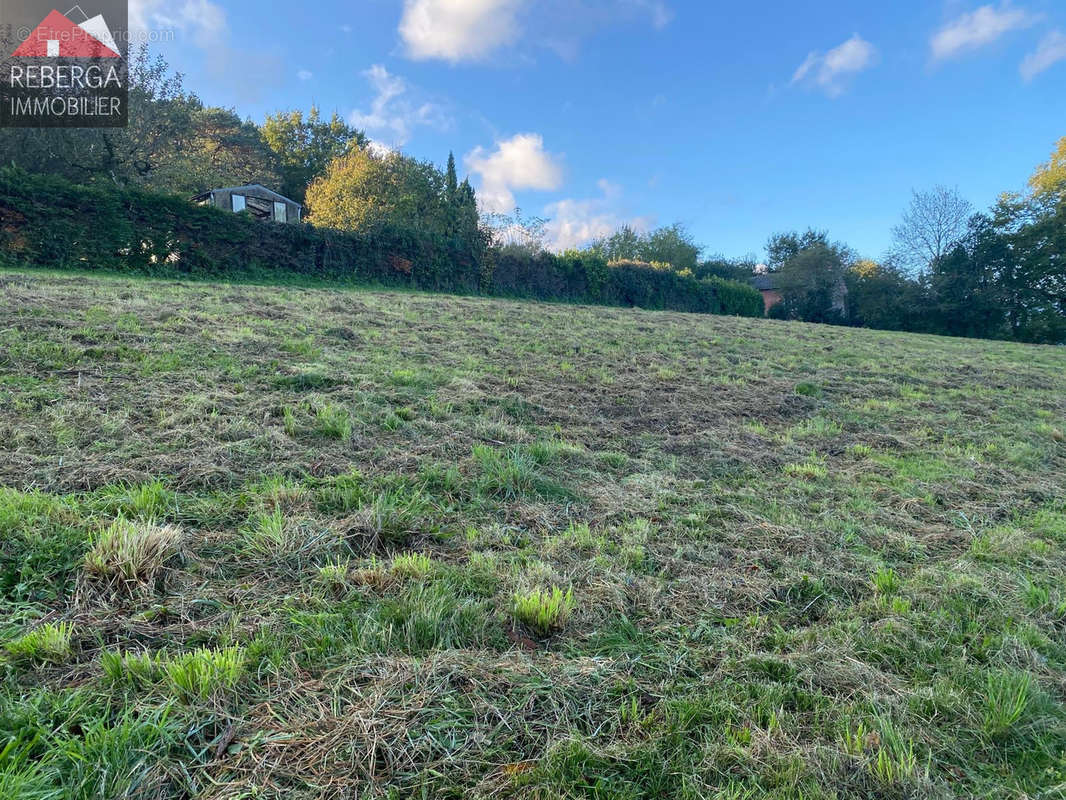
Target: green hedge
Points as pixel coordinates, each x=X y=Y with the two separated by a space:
x=587 y=278
x=48 y=222
x=654 y=288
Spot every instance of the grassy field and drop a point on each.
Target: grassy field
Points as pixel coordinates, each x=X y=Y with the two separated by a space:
x=280 y=542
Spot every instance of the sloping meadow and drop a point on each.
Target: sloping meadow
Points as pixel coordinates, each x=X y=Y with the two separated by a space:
x=281 y=542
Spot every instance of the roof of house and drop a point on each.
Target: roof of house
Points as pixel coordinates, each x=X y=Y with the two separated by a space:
x=258 y=186
x=766 y=282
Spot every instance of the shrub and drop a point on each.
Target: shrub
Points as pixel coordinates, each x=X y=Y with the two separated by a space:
x=131 y=551
x=517 y=272
x=542 y=610
x=57 y=224
x=648 y=286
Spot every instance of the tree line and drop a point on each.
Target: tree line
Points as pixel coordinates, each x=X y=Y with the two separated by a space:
x=995 y=274
x=998 y=274
x=176 y=144
x=54 y=223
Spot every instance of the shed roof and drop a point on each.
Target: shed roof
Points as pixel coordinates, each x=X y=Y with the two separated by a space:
x=767 y=282
x=258 y=186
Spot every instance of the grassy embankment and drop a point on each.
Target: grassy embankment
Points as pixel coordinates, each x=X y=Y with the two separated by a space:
x=282 y=542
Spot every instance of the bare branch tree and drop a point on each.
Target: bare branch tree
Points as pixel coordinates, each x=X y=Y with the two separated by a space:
x=516 y=230
x=930 y=227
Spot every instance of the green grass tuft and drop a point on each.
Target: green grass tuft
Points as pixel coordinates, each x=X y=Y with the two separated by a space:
x=333 y=421
x=1007 y=695
x=513 y=473
x=395 y=515
x=199 y=674
x=813 y=468
x=412 y=565
x=886 y=581
x=334 y=574
x=544 y=610
x=135 y=670
x=46 y=644
x=132 y=552
x=266 y=534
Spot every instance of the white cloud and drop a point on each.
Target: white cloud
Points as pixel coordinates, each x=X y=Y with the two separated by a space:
x=830 y=71
x=304 y=74
x=978 y=29
x=380 y=149
x=458 y=30
x=203 y=25
x=517 y=163
x=392 y=117
x=659 y=12
x=201 y=20
x=1051 y=51
x=473 y=30
x=610 y=190
x=575 y=223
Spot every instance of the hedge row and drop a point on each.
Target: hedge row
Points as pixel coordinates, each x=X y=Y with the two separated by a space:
x=49 y=222
x=586 y=278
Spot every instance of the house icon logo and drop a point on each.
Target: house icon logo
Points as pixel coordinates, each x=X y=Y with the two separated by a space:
x=64 y=70
x=59 y=37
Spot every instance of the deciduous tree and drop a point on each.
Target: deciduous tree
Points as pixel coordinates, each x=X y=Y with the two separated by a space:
x=1049 y=180
x=671 y=245
x=931 y=227
x=173 y=143
x=811 y=276
x=305 y=146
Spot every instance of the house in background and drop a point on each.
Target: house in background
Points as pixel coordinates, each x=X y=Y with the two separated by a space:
x=259 y=201
x=769 y=288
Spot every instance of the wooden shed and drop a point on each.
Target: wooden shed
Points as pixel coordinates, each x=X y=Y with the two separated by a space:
x=259 y=201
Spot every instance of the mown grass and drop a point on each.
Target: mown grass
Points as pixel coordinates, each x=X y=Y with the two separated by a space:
x=292 y=542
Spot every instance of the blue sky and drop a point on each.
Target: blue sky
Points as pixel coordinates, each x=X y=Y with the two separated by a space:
x=736 y=119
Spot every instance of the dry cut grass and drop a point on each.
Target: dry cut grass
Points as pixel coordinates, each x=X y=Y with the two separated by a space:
x=274 y=542
x=131 y=552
